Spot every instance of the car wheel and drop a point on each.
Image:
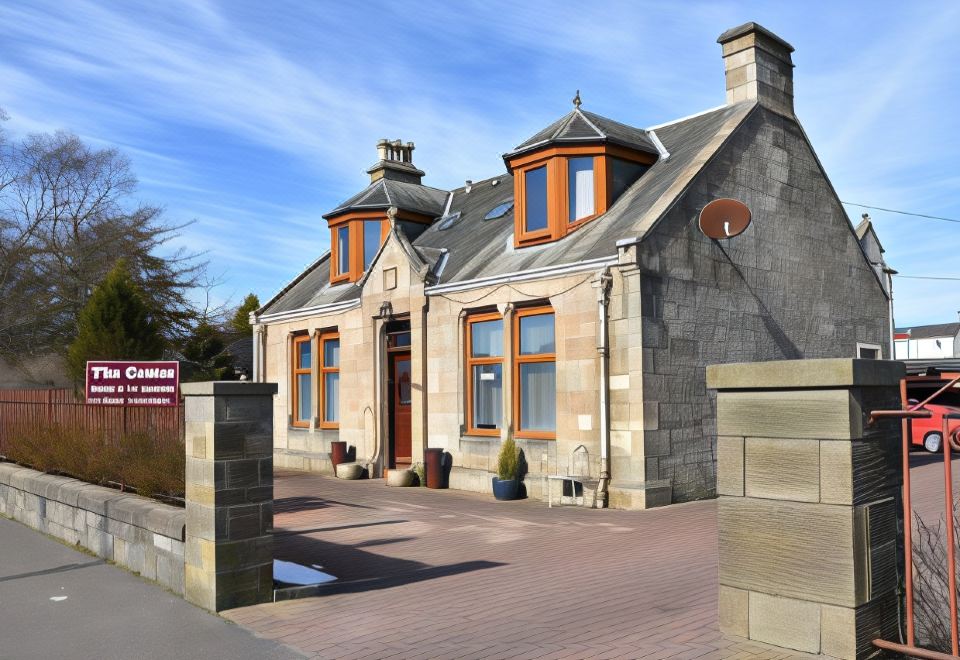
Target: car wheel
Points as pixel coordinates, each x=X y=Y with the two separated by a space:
x=932 y=442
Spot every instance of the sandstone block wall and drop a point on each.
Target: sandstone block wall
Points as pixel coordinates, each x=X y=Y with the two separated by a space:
x=142 y=535
x=809 y=503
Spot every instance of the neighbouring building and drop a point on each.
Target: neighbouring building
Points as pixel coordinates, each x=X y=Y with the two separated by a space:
x=572 y=301
x=928 y=342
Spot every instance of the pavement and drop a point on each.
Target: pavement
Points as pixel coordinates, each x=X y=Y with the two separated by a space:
x=57 y=602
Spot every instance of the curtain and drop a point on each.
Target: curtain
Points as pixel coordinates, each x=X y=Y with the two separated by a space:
x=303 y=390
x=343 y=250
x=331 y=353
x=487 y=338
x=487 y=396
x=331 y=390
x=538 y=396
x=582 y=204
x=536 y=334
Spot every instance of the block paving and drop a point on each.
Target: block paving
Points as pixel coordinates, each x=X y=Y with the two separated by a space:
x=447 y=574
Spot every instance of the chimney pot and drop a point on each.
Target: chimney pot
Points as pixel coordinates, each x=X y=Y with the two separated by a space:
x=395 y=162
x=758 y=67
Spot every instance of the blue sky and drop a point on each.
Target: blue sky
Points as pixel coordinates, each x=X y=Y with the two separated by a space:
x=254 y=118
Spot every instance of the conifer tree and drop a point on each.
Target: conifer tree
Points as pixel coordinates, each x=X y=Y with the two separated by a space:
x=115 y=324
x=240 y=322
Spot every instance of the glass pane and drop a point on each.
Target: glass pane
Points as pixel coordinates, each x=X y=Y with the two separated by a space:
x=487 y=396
x=371 y=241
x=403 y=382
x=580 y=182
x=487 y=338
x=624 y=174
x=536 y=334
x=303 y=397
x=397 y=339
x=343 y=250
x=538 y=396
x=535 y=193
x=303 y=354
x=331 y=391
x=331 y=353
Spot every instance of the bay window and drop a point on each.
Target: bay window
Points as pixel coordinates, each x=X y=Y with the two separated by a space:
x=559 y=188
x=301 y=380
x=354 y=244
x=484 y=366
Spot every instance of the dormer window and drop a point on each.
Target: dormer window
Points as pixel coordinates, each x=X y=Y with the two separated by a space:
x=359 y=226
x=571 y=172
x=354 y=244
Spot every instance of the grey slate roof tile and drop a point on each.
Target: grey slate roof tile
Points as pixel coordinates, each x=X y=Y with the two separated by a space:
x=580 y=126
x=385 y=193
x=483 y=248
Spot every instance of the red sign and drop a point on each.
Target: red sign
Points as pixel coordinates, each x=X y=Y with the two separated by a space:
x=121 y=383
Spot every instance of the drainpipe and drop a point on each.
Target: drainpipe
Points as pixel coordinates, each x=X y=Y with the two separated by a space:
x=603 y=300
x=893 y=345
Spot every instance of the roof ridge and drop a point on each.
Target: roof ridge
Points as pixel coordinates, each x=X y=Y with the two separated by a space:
x=686 y=118
x=592 y=125
x=386 y=191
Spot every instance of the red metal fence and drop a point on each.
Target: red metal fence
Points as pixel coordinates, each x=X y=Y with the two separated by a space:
x=951 y=443
x=60 y=407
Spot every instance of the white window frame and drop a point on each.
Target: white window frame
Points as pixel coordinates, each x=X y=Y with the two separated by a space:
x=876 y=347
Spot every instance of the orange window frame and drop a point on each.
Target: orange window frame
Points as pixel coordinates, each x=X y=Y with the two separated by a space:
x=519 y=359
x=295 y=372
x=556 y=161
x=355 y=230
x=324 y=370
x=471 y=362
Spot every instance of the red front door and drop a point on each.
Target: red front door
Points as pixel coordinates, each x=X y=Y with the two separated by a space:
x=400 y=384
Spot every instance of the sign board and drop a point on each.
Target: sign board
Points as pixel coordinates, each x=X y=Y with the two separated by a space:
x=123 y=383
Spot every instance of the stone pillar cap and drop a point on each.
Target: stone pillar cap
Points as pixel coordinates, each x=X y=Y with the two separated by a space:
x=805 y=374
x=228 y=388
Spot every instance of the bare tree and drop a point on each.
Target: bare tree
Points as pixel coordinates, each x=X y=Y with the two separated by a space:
x=66 y=217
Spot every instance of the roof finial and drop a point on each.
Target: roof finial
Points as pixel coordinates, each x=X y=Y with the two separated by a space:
x=576 y=100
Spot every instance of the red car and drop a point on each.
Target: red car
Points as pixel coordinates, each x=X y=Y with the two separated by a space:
x=928 y=433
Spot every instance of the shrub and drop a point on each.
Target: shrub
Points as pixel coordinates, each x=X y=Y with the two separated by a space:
x=508 y=461
x=930 y=584
x=150 y=466
x=421 y=473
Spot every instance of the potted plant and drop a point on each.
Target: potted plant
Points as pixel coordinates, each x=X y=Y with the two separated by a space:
x=506 y=484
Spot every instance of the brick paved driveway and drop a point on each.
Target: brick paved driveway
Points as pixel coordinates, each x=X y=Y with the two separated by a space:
x=428 y=574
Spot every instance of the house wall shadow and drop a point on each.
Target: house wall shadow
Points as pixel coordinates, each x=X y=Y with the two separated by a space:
x=358 y=570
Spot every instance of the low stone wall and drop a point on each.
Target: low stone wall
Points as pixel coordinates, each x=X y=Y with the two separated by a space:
x=142 y=535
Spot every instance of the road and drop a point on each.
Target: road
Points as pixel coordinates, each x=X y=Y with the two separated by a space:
x=56 y=602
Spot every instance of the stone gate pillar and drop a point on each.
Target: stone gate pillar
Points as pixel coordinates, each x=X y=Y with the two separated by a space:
x=229 y=493
x=809 y=502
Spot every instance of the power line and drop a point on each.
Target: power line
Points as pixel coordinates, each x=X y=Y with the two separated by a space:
x=928 y=277
x=917 y=215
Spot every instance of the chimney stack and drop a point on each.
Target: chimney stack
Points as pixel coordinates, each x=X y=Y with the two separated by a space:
x=395 y=162
x=758 y=67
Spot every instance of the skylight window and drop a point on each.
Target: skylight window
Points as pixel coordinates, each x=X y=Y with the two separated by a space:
x=500 y=210
x=448 y=221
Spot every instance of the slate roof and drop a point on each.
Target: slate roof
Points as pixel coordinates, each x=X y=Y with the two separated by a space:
x=385 y=193
x=478 y=248
x=931 y=331
x=582 y=126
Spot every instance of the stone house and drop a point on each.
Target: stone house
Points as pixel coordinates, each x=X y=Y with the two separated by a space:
x=572 y=301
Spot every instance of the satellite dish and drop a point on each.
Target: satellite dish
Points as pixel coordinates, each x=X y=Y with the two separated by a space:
x=724 y=218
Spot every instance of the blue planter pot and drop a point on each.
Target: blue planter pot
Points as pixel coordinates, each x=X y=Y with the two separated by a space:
x=506 y=489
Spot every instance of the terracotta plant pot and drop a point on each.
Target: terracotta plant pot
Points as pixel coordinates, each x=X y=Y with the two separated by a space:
x=506 y=489
x=338 y=453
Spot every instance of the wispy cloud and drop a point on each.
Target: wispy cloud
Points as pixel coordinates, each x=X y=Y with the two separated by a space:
x=254 y=118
